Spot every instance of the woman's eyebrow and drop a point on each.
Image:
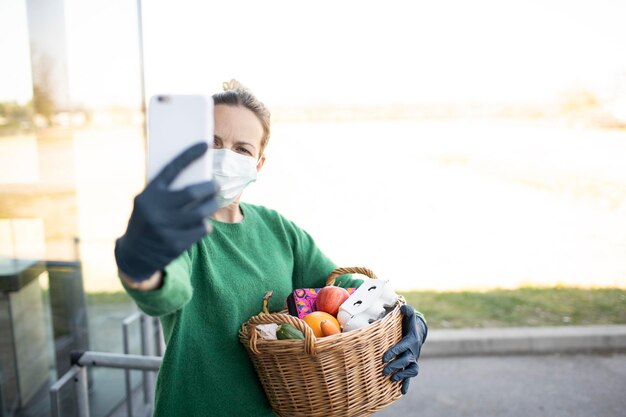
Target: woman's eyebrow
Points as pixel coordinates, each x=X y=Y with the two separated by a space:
x=245 y=143
x=240 y=142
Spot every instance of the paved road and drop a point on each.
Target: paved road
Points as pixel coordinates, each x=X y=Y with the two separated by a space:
x=517 y=386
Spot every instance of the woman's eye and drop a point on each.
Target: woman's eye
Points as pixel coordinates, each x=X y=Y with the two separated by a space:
x=243 y=150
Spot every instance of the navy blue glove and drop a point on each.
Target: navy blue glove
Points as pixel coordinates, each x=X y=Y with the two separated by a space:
x=165 y=223
x=406 y=352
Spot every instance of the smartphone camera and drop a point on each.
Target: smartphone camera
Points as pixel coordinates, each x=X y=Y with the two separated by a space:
x=163 y=99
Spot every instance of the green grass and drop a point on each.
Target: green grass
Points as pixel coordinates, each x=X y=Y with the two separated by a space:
x=498 y=308
x=521 y=307
x=108 y=298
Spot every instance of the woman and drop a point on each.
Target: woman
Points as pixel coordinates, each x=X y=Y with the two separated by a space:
x=205 y=278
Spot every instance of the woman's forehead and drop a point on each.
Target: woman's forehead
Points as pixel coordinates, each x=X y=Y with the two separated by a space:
x=237 y=123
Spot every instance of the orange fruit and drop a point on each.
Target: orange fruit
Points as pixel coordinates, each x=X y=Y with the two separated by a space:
x=315 y=319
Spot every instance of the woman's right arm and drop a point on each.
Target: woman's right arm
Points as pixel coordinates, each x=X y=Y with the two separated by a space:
x=166 y=291
x=152 y=283
x=151 y=256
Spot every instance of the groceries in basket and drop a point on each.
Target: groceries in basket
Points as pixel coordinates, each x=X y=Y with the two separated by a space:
x=302 y=301
x=331 y=310
x=344 y=347
x=370 y=302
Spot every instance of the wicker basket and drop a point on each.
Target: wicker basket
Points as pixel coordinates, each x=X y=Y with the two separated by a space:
x=339 y=375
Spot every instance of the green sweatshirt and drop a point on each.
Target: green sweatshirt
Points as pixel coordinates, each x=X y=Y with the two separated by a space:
x=208 y=292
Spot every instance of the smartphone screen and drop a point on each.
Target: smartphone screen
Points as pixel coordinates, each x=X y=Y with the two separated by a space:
x=176 y=122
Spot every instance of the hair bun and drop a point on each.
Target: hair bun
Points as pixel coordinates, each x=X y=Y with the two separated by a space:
x=233 y=85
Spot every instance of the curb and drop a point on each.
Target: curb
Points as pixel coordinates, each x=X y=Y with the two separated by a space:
x=525 y=340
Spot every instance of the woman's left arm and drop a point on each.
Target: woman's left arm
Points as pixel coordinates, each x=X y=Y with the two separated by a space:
x=311 y=270
x=402 y=358
x=311 y=266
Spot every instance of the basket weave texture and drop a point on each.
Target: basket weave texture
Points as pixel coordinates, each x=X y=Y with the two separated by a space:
x=339 y=375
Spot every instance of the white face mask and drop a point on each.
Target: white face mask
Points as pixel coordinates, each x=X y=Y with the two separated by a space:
x=233 y=173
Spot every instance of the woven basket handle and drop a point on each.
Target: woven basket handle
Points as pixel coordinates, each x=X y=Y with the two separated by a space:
x=349 y=270
x=280 y=318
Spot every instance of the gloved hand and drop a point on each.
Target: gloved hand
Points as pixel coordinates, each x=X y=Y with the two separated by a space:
x=407 y=351
x=165 y=223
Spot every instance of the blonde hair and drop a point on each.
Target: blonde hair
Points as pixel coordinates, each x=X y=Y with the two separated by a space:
x=236 y=94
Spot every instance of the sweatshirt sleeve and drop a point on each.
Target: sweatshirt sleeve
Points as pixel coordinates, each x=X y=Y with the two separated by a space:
x=175 y=292
x=311 y=266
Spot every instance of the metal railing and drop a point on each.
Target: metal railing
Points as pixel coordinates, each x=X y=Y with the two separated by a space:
x=152 y=348
x=78 y=375
x=151 y=338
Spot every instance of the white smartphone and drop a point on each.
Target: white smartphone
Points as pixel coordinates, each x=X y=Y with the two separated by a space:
x=175 y=122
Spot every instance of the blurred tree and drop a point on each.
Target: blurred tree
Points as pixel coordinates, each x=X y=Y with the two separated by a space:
x=15 y=116
x=43 y=102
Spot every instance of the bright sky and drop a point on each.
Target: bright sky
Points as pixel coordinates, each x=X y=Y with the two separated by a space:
x=340 y=52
